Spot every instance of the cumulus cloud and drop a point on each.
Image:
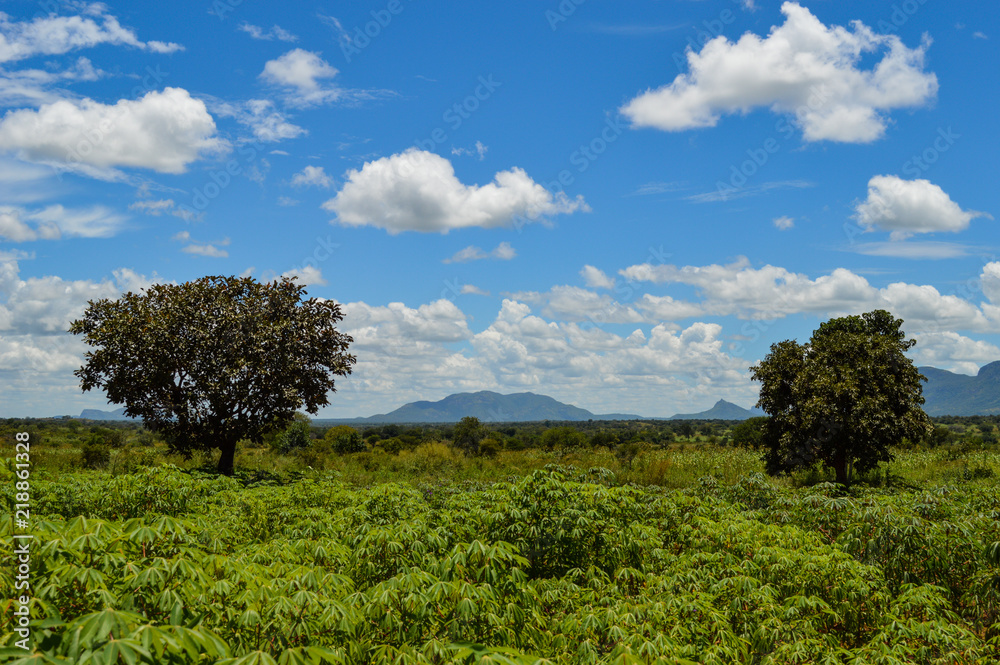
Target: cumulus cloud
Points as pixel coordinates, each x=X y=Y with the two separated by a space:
x=571 y=303
x=775 y=292
x=953 y=352
x=418 y=191
x=504 y=252
x=803 y=68
x=307 y=275
x=47 y=305
x=596 y=278
x=312 y=176
x=990 y=281
x=303 y=73
x=163 y=131
x=906 y=207
x=55 y=35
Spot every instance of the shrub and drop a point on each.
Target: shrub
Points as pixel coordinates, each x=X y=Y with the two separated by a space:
x=95 y=455
x=344 y=439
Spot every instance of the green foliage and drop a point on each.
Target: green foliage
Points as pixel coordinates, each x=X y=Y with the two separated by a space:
x=563 y=438
x=215 y=360
x=844 y=399
x=295 y=437
x=558 y=566
x=749 y=434
x=468 y=433
x=95 y=455
x=344 y=439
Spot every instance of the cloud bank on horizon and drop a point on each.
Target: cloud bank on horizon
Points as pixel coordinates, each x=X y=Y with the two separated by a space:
x=580 y=216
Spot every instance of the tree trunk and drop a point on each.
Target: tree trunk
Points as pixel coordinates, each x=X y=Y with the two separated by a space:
x=840 y=466
x=228 y=449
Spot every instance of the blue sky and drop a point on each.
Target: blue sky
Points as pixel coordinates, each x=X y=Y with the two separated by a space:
x=618 y=204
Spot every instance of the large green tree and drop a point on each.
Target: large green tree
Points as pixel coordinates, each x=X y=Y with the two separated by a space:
x=215 y=360
x=843 y=399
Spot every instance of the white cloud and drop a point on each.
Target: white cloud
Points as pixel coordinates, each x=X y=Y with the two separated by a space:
x=276 y=32
x=55 y=35
x=439 y=321
x=906 y=207
x=571 y=303
x=210 y=249
x=802 y=67
x=206 y=249
x=56 y=221
x=266 y=123
x=596 y=278
x=784 y=223
x=504 y=252
x=913 y=250
x=163 y=131
x=990 y=281
x=95 y=221
x=47 y=305
x=302 y=72
x=33 y=87
x=953 y=352
x=479 y=150
x=774 y=292
x=418 y=191
x=312 y=176
x=287 y=201
x=164 y=206
x=474 y=290
x=307 y=275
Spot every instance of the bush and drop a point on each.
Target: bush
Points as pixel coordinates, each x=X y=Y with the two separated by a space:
x=344 y=439
x=563 y=438
x=294 y=438
x=749 y=433
x=96 y=455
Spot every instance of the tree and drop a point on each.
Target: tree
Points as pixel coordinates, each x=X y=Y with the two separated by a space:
x=344 y=439
x=749 y=434
x=843 y=399
x=215 y=360
x=468 y=433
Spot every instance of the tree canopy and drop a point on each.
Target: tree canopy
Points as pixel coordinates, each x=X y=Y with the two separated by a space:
x=842 y=399
x=215 y=360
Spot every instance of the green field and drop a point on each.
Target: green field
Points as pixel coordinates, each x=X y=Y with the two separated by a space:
x=673 y=550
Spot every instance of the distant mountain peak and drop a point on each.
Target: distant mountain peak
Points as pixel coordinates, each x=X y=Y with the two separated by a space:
x=489 y=406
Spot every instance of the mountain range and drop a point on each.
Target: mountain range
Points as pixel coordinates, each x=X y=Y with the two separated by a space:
x=946 y=393
x=950 y=394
